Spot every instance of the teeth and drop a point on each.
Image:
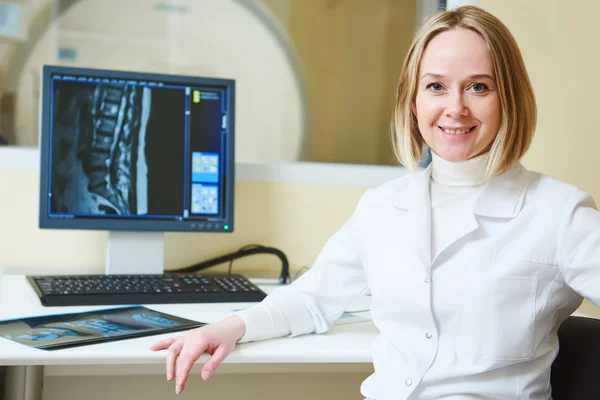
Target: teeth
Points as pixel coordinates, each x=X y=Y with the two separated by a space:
x=456 y=131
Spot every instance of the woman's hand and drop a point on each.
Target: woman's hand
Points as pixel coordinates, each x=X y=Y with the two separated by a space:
x=216 y=339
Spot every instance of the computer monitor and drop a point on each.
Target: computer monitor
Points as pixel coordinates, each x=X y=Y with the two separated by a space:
x=137 y=155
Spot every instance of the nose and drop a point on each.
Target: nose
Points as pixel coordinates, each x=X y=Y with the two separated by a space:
x=456 y=107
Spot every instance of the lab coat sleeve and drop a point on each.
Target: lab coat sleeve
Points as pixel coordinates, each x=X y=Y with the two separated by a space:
x=579 y=246
x=264 y=321
x=320 y=295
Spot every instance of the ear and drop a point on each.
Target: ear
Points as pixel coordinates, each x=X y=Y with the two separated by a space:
x=413 y=108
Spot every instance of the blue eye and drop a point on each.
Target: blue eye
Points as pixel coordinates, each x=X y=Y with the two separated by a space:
x=435 y=86
x=479 y=87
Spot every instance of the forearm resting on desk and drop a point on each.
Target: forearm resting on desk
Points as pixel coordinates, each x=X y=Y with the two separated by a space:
x=264 y=321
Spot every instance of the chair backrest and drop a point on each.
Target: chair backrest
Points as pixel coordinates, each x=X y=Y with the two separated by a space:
x=576 y=371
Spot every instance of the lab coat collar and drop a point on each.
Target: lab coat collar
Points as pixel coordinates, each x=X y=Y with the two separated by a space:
x=415 y=193
x=501 y=196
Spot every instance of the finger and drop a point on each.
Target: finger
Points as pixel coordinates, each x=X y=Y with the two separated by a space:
x=172 y=355
x=163 y=344
x=189 y=354
x=214 y=361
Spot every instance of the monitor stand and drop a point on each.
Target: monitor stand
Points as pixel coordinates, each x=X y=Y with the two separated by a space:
x=135 y=253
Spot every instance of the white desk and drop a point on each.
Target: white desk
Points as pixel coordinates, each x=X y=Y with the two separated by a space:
x=344 y=348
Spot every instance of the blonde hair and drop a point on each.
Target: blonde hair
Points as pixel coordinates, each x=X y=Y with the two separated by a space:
x=519 y=110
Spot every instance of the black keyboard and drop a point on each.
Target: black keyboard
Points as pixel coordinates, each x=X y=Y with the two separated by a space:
x=88 y=290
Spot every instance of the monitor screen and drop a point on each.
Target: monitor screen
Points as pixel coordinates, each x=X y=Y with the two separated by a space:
x=135 y=151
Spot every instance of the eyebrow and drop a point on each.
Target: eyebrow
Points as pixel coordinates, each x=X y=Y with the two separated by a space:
x=476 y=76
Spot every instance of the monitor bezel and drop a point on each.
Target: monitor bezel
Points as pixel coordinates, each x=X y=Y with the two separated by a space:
x=115 y=224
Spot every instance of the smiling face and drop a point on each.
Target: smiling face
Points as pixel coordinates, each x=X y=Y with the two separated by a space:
x=457 y=102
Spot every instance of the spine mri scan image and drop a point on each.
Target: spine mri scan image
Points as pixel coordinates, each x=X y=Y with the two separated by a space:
x=99 y=142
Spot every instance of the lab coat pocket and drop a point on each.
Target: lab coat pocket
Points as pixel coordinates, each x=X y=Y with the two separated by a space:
x=499 y=317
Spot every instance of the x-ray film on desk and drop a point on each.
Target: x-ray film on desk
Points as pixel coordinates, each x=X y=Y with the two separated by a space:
x=61 y=331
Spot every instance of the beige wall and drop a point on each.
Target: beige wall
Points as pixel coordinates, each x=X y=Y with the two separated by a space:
x=273 y=386
x=351 y=53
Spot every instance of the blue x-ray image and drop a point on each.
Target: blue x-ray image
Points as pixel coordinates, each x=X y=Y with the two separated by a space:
x=42 y=334
x=75 y=329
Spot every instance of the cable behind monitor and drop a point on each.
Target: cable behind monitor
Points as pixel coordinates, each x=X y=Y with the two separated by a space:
x=245 y=251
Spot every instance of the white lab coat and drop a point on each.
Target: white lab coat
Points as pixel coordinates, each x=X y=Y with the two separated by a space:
x=512 y=273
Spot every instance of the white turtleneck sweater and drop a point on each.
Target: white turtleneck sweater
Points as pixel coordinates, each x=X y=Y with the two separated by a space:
x=454 y=187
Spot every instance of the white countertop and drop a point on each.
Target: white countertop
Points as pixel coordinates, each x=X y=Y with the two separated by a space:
x=350 y=343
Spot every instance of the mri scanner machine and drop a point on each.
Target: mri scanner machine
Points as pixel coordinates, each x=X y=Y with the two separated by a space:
x=236 y=39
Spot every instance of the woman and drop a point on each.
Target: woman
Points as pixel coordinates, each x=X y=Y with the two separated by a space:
x=472 y=262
